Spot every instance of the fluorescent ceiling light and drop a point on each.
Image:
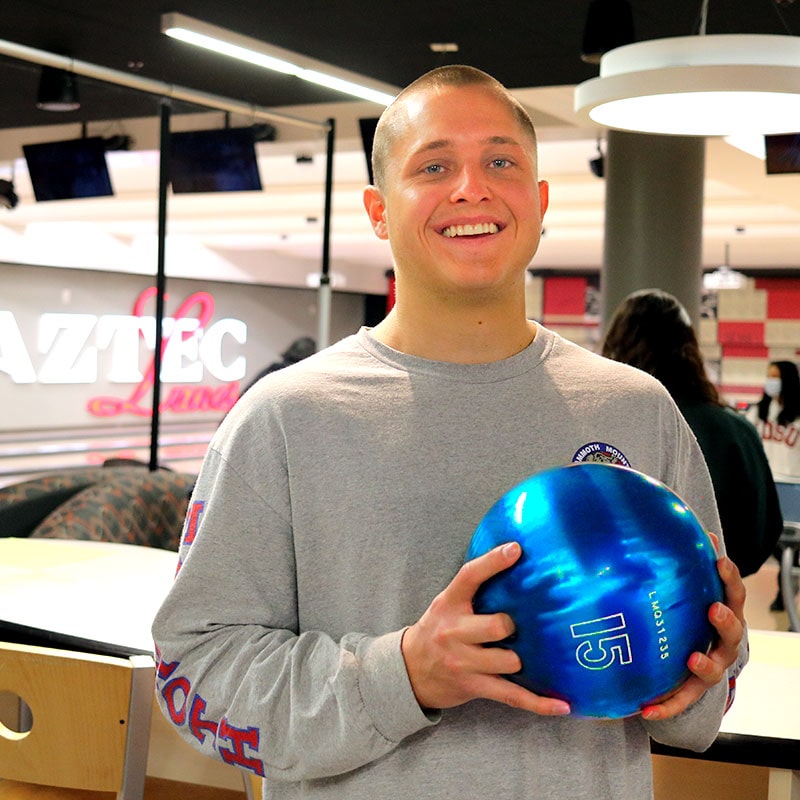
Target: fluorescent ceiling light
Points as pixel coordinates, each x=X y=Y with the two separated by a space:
x=702 y=85
x=253 y=51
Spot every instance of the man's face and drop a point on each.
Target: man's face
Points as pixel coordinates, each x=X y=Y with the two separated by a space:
x=462 y=208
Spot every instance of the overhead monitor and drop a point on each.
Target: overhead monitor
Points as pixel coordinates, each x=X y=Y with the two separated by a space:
x=782 y=153
x=221 y=160
x=67 y=170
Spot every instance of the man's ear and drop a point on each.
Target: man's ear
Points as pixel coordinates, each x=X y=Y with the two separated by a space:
x=544 y=196
x=376 y=211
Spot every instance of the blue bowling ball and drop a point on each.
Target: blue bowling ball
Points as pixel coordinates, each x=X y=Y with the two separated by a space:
x=611 y=593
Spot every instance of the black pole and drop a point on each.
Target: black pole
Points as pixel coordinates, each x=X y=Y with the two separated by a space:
x=161 y=282
x=326 y=226
x=324 y=303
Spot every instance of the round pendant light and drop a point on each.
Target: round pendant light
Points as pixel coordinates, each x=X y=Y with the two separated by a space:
x=706 y=85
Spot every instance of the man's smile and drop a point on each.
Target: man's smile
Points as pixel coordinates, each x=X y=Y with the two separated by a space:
x=470 y=230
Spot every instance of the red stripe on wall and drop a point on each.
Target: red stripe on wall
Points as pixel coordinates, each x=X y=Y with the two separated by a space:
x=749 y=333
x=778 y=284
x=783 y=297
x=783 y=304
x=741 y=388
x=744 y=351
x=564 y=295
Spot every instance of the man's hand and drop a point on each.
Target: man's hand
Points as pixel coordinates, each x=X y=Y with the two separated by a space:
x=709 y=669
x=444 y=651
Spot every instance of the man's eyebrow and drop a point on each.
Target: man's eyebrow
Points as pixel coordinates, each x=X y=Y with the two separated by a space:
x=502 y=140
x=436 y=144
x=440 y=144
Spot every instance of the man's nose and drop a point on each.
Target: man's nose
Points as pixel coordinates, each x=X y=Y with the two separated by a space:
x=471 y=185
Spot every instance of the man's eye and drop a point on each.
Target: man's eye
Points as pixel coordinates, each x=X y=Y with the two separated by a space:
x=500 y=163
x=433 y=169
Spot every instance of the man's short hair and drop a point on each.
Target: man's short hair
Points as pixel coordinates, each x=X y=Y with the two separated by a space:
x=390 y=125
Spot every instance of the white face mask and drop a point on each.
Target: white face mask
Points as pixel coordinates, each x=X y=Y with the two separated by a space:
x=772 y=387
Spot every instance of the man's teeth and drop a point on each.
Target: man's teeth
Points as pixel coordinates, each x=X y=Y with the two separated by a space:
x=470 y=230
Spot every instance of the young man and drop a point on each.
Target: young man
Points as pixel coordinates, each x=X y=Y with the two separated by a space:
x=320 y=631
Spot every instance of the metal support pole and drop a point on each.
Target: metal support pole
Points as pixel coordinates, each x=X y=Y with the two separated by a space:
x=161 y=281
x=158 y=88
x=325 y=288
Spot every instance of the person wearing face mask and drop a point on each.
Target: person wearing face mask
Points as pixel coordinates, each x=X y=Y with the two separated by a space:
x=777 y=417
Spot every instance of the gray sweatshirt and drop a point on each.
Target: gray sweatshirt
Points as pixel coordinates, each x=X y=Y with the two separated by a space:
x=336 y=501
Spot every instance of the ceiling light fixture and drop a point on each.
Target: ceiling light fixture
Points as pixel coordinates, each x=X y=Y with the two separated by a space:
x=704 y=85
x=724 y=277
x=253 y=51
x=443 y=47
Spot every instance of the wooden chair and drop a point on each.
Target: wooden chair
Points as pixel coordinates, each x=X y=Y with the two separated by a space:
x=89 y=720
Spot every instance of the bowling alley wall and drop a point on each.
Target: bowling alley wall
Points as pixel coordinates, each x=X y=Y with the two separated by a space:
x=76 y=352
x=77 y=361
x=741 y=330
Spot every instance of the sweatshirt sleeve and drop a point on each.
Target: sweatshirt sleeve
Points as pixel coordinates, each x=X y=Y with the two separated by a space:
x=687 y=474
x=236 y=676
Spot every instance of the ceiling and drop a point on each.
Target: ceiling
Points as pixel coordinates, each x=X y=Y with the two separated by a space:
x=274 y=235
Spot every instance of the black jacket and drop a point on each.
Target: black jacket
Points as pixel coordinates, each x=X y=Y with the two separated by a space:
x=743 y=484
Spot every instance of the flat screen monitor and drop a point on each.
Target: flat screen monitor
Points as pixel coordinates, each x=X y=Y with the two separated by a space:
x=222 y=160
x=783 y=153
x=68 y=170
x=367 y=127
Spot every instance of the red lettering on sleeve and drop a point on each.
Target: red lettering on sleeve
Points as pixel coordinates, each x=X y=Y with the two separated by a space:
x=174 y=691
x=198 y=725
x=193 y=521
x=242 y=740
x=165 y=669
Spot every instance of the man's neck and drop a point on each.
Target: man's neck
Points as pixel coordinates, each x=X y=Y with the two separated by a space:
x=460 y=335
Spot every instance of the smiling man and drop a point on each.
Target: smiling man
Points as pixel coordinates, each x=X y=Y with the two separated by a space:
x=320 y=631
x=458 y=198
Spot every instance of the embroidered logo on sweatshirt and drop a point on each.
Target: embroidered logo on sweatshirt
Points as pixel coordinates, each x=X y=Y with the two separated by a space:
x=600 y=453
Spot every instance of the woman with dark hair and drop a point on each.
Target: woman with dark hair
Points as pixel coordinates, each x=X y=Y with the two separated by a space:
x=652 y=331
x=777 y=418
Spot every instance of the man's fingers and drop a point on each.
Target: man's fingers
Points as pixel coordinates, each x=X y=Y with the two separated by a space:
x=475 y=572
x=504 y=691
x=690 y=692
x=735 y=590
x=708 y=669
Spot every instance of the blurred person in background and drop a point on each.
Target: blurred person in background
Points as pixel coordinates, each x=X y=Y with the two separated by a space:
x=300 y=348
x=652 y=331
x=777 y=418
